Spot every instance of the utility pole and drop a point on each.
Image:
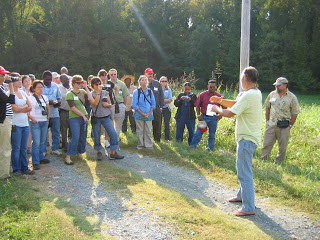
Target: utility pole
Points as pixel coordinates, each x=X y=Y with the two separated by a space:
x=245 y=37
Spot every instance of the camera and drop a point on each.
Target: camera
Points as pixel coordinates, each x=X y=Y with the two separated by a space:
x=44 y=112
x=13 y=79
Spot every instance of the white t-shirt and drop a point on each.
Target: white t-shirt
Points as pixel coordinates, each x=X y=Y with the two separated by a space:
x=20 y=119
x=36 y=111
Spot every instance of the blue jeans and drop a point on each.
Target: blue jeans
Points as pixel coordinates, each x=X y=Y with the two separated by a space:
x=166 y=115
x=245 y=152
x=19 y=141
x=108 y=125
x=212 y=127
x=55 y=130
x=184 y=120
x=39 y=133
x=77 y=143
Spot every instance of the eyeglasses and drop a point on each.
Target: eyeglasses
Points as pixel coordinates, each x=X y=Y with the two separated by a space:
x=113 y=74
x=97 y=84
x=164 y=81
x=78 y=82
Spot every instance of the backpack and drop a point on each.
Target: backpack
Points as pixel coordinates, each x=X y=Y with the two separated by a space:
x=149 y=94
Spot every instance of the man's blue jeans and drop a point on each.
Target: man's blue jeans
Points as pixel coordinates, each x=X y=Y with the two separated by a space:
x=77 y=143
x=39 y=132
x=245 y=152
x=212 y=127
x=108 y=126
x=19 y=141
x=55 y=130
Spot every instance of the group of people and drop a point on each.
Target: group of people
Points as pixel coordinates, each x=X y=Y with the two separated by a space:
x=63 y=105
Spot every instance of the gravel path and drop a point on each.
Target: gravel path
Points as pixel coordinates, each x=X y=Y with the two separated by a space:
x=137 y=223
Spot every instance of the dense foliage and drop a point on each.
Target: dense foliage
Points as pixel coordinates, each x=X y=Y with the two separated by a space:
x=171 y=36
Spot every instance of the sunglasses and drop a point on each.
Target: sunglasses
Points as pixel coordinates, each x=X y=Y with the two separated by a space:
x=78 y=82
x=164 y=81
x=97 y=84
x=113 y=74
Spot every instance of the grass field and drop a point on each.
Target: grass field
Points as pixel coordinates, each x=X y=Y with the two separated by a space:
x=29 y=212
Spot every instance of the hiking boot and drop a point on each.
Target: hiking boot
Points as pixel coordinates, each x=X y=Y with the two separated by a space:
x=99 y=156
x=36 y=166
x=68 y=162
x=115 y=156
x=56 y=152
x=29 y=172
x=44 y=161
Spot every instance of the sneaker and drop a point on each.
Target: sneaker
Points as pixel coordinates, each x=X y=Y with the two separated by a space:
x=115 y=156
x=68 y=162
x=44 y=161
x=17 y=174
x=106 y=144
x=56 y=152
x=139 y=147
x=29 y=172
x=36 y=166
x=99 y=156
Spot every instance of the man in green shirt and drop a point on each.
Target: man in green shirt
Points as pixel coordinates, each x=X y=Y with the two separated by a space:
x=248 y=108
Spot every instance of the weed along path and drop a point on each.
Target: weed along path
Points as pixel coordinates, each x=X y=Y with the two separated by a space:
x=140 y=197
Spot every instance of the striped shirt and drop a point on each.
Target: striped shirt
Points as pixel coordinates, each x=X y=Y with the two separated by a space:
x=9 y=112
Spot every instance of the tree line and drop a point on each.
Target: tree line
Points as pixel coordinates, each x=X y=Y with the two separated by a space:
x=173 y=37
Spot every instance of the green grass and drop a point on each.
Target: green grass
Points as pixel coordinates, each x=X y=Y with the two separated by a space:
x=294 y=183
x=27 y=212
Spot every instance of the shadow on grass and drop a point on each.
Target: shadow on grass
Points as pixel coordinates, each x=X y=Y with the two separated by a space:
x=21 y=212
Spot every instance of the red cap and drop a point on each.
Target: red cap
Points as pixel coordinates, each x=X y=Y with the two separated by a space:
x=148 y=70
x=3 y=71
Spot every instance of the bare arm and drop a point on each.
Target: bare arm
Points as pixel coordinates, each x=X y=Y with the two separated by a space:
x=223 y=112
x=200 y=118
x=293 y=119
x=107 y=104
x=18 y=109
x=224 y=102
x=267 y=114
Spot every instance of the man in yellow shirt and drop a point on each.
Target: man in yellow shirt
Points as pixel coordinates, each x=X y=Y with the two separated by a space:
x=248 y=108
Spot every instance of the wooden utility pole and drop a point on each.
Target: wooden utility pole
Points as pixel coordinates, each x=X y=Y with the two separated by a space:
x=245 y=37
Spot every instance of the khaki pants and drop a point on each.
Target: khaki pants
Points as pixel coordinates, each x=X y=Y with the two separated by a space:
x=5 y=148
x=144 y=133
x=272 y=134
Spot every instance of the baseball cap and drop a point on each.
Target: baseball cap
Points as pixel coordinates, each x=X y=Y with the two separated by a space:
x=148 y=70
x=55 y=75
x=280 y=81
x=202 y=125
x=3 y=71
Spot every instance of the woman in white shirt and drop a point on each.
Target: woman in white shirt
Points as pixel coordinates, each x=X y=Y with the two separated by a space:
x=20 y=129
x=39 y=117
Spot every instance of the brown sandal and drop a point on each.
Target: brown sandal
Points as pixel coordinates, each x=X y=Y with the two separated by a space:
x=235 y=199
x=243 y=213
